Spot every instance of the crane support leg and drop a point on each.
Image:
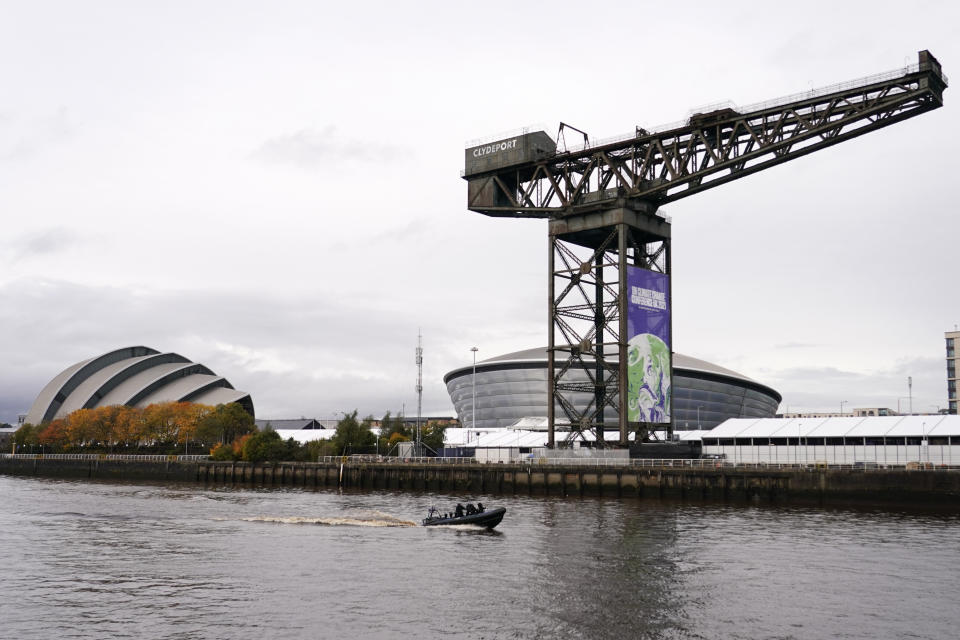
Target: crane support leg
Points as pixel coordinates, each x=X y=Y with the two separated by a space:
x=587 y=359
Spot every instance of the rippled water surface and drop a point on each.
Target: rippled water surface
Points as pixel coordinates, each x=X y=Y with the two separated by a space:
x=98 y=560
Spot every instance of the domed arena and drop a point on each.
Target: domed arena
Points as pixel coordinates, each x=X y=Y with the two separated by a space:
x=514 y=386
x=136 y=377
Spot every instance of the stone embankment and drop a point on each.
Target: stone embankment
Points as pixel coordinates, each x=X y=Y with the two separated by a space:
x=665 y=478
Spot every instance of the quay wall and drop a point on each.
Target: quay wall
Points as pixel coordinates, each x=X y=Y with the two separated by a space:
x=781 y=485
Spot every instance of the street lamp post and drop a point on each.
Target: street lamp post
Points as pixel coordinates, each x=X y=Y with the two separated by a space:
x=798 y=443
x=473 y=420
x=898 y=403
x=923 y=441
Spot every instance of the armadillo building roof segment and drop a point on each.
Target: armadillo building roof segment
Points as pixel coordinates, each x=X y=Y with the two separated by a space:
x=183 y=388
x=89 y=392
x=129 y=389
x=134 y=376
x=47 y=405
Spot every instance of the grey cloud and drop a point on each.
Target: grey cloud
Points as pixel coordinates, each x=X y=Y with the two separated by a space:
x=814 y=374
x=823 y=388
x=295 y=356
x=310 y=149
x=37 y=135
x=409 y=231
x=795 y=345
x=44 y=242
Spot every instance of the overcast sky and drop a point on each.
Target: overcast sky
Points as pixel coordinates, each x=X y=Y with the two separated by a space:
x=272 y=189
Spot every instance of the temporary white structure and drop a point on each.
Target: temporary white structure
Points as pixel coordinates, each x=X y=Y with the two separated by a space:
x=886 y=440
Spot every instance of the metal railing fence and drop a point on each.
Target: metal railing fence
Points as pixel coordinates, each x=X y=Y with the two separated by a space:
x=643 y=463
x=397 y=460
x=105 y=456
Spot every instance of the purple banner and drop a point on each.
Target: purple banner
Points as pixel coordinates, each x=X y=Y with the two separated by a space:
x=648 y=346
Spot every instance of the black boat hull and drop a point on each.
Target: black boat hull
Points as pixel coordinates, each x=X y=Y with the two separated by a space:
x=488 y=518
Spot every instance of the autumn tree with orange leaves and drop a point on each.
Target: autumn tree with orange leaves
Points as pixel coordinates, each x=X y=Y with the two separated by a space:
x=166 y=426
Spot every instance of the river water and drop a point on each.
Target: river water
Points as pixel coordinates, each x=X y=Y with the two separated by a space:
x=103 y=560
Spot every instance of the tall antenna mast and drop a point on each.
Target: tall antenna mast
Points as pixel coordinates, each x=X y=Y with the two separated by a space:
x=417 y=440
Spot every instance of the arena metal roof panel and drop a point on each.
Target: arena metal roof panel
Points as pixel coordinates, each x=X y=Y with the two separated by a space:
x=680 y=361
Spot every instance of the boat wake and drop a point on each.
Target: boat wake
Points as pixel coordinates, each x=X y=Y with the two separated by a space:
x=373 y=520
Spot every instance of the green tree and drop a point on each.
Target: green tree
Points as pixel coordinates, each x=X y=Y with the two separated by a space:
x=432 y=435
x=353 y=436
x=222 y=452
x=225 y=423
x=314 y=449
x=27 y=437
x=392 y=431
x=265 y=445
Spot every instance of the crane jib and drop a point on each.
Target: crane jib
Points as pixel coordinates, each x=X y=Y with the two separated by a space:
x=526 y=176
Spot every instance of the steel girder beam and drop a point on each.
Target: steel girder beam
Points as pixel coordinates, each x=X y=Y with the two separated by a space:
x=713 y=148
x=587 y=342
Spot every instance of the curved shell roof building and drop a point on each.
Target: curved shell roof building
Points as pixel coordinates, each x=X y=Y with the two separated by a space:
x=133 y=376
x=514 y=386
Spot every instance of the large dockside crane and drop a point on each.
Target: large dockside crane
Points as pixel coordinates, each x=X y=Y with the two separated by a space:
x=609 y=249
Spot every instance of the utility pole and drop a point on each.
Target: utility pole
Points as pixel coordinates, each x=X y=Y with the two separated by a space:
x=910 y=392
x=417 y=441
x=473 y=405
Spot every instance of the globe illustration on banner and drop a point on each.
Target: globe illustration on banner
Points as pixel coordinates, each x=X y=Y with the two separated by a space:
x=648 y=375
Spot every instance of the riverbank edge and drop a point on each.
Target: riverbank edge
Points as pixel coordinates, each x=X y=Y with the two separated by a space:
x=878 y=486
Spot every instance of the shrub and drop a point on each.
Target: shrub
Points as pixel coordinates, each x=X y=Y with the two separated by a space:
x=223 y=452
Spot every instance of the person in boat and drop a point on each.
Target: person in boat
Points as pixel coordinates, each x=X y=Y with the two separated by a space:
x=471 y=509
x=459 y=511
x=479 y=507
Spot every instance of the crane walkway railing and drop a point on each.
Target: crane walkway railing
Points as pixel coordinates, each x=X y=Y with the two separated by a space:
x=758 y=106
